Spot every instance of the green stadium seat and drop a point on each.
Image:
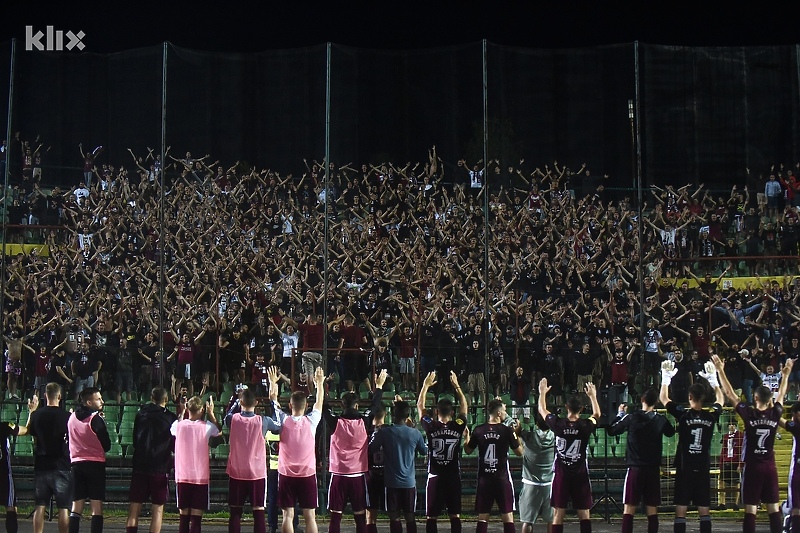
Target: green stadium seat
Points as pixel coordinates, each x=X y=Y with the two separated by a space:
x=617 y=445
x=597 y=444
x=222 y=451
x=9 y=413
x=24 y=449
x=126 y=438
x=115 y=451
x=111 y=413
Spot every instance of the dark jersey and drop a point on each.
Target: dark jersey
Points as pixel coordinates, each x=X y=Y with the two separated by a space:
x=7 y=430
x=695 y=430
x=493 y=442
x=444 y=445
x=572 y=438
x=644 y=436
x=794 y=428
x=375 y=456
x=760 y=428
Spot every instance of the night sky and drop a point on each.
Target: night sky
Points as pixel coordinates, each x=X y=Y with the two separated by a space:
x=256 y=26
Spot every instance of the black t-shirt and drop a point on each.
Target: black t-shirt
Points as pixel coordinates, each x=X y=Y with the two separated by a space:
x=695 y=431
x=52 y=369
x=49 y=426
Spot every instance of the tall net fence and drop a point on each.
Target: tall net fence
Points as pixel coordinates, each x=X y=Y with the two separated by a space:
x=448 y=185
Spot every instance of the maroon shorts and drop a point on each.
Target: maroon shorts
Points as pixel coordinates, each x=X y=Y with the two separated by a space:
x=343 y=489
x=569 y=485
x=147 y=487
x=442 y=492
x=692 y=486
x=376 y=492
x=493 y=490
x=191 y=496
x=240 y=490
x=642 y=483
x=300 y=491
x=760 y=484
x=401 y=500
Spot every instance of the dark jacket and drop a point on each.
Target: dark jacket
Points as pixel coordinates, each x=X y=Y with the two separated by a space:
x=153 y=443
x=644 y=436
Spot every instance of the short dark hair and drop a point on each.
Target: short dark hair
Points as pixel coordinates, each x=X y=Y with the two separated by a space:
x=697 y=392
x=400 y=412
x=796 y=407
x=247 y=398
x=494 y=406
x=650 y=396
x=298 y=399
x=158 y=395
x=762 y=394
x=574 y=404
x=380 y=411
x=349 y=400
x=445 y=407
x=87 y=393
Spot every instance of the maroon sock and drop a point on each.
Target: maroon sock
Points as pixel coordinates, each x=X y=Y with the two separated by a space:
x=335 y=525
x=183 y=527
x=194 y=523
x=509 y=527
x=627 y=523
x=132 y=529
x=395 y=526
x=455 y=524
x=235 y=520
x=482 y=527
x=795 y=523
x=411 y=526
x=558 y=528
x=652 y=523
x=749 y=524
x=260 y=521
x=586 y=526
x=775 y=522
x=372 y=528
x=431 y=526
x=361 y=523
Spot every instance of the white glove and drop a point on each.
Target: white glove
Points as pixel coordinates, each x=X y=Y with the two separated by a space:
x=710 y=375
x=668 y=370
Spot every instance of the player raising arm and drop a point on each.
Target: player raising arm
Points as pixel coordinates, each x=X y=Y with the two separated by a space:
x=693 y=455
x=571 y=469
x=759 y=475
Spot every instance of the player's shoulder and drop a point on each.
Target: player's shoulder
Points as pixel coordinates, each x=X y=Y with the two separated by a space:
x=457 y=424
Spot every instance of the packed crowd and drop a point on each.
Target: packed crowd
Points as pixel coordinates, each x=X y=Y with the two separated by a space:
x=420 y=276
